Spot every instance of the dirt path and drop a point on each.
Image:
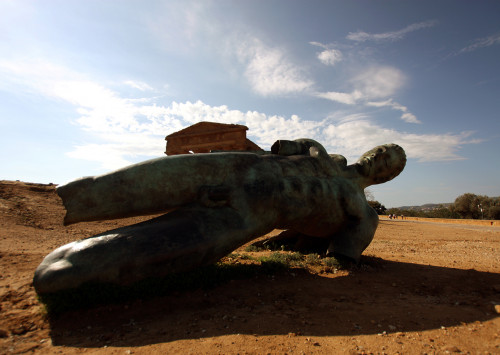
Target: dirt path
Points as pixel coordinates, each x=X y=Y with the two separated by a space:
x=421 y=288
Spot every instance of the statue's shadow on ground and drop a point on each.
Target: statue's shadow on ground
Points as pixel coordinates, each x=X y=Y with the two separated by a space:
x=374 y=297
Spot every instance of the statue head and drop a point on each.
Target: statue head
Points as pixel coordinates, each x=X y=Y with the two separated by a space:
x=381 y=164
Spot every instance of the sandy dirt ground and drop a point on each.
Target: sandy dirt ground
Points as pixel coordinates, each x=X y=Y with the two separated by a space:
x=421 y=288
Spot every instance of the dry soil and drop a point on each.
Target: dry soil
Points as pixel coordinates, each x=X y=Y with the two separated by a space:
x=421 y=288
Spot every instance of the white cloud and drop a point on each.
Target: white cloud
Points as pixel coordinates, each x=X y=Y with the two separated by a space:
x=481 y=43
x=318 y=44
x=124 y=129
x=194 y=30
x=180 y=26
x=138 y=85
x=110 y=156
x=342 y=97
x=379 y=82
x=410 y=118
x=269 y=71
x=351 y=136
x=361 y=36
x=406 y=116
x=263 y=129
x=354 y=137
x=330 y=56
x=374 y=83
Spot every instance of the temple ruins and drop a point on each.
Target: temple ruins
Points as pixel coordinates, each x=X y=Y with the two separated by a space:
x=204 y=137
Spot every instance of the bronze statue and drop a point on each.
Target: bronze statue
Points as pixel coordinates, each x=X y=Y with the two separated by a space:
x=216 y=202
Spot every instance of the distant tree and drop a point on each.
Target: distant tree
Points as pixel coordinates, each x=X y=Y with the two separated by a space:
x=369 y=195
x=494 y=212
x=476 y=206
x=443 y=212
x=491 y=208
x=466 y=206
x=378 y=207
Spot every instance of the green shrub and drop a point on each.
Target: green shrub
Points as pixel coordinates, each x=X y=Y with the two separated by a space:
x=286 y=259
x=252 y=248
x=313 y=259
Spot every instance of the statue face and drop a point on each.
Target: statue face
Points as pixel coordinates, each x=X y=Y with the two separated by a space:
x=382 y=163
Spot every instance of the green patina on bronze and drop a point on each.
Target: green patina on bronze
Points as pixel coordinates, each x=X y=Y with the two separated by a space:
x=216 y=203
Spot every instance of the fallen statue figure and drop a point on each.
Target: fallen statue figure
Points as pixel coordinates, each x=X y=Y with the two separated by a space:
x=216 y=203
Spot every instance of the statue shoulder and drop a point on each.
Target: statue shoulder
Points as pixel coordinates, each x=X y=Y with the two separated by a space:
x=302 y=146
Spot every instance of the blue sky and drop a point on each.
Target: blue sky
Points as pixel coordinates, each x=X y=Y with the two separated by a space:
x=90 y=86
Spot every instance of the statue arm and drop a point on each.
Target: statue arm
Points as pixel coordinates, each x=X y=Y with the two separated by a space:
x=301 y=146
x=355 y=235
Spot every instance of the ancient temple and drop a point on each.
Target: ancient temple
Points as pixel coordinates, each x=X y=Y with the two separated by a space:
x=204 y=137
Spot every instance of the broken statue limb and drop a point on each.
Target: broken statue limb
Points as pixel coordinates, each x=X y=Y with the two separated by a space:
x=215 y=203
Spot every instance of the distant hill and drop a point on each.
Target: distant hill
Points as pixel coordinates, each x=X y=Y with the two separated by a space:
x=426 y=207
